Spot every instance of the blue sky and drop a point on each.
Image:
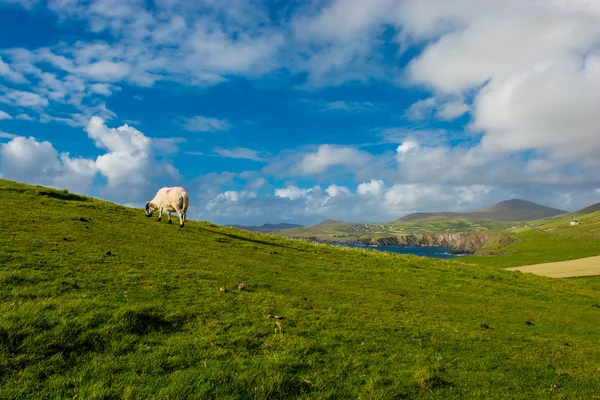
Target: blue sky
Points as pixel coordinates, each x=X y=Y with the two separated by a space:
x=270 y=111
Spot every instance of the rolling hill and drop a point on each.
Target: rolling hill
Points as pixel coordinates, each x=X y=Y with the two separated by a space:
x=547 y=240
x=99 y=302
x=510 y=210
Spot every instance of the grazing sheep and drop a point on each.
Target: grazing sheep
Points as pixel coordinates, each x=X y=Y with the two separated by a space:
x=173 y=199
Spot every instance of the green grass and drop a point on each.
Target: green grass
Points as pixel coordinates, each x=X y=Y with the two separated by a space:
x=547 y=240
x=149 y=320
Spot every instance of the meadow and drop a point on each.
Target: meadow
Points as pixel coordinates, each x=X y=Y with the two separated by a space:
x=544 y=241
x=99 y=302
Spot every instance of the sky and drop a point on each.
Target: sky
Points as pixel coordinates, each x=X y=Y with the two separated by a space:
x=300 y=111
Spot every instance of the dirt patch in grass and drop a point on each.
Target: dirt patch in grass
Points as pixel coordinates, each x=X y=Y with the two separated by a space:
x=589 y=266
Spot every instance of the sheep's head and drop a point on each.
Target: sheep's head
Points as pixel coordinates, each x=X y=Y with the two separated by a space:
x=150 y=209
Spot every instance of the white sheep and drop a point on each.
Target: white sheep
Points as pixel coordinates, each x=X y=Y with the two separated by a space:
x=169 y=199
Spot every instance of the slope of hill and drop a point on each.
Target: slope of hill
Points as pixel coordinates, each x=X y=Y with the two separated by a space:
x=98 y=302
x=509 y=210
x=547 y=240
x=267 y=228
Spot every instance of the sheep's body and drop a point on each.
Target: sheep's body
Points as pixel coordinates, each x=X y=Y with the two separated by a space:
x=169 y=199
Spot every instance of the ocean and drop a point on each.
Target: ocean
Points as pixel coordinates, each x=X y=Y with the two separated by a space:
x=433 y=252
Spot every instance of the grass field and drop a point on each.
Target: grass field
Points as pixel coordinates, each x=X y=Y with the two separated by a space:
x=589 y=266
x=99 y=302
x=545 y=241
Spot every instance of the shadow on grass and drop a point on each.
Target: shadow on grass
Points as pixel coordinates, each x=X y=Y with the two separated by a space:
x=256 y=241
x=62 y=195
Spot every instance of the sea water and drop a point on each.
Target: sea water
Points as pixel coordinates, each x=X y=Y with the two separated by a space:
x=433 y=252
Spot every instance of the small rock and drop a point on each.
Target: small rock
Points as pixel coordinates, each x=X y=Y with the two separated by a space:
x=529 y=323
x=484 y=326
x=65 y=239
x=241 y=286
x=595 y=305
x=279 y=317
x=553 y=387
x=215 y=344
x=270 y=316
x=223 y=289
x=84 y=219
x=108 y=253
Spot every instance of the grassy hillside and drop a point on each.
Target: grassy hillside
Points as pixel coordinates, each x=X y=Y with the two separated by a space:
x=99 y=302
x=544 y=241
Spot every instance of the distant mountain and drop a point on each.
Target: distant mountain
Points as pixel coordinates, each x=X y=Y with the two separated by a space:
x=509 y=210
x=330 y=223
x=267 y=228
x=588 y=210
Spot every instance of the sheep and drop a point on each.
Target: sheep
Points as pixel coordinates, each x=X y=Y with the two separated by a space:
x=172 y=199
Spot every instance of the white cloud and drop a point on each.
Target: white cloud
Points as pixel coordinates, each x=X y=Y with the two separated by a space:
x=205 y=124
x=8 y=73
x=106 y=71
x=239 y=152
x=328 y=156
x=347 y=106
x=375 y=187
x=25 y=117
x=26 y=159
x=128 y=162
x=447 y=110
x=22 y=98
x=292 y=192
x=235 y=196
x=335 y=190
x=5 y=115
x=5 y=135
x=533 y=66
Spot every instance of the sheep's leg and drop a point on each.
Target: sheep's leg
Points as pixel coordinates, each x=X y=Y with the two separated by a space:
x=170 y=220
x=181 y=218
x=159 y=214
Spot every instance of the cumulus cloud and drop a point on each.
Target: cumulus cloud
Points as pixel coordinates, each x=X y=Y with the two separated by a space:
x=328 y=156
x=27 y=160
x=375 y=188
x=292 y=192
x=129 y=164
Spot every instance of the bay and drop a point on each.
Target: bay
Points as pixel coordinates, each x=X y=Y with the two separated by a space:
x=433 y=252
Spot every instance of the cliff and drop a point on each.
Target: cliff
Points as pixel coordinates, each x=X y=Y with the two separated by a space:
x=460 y=243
